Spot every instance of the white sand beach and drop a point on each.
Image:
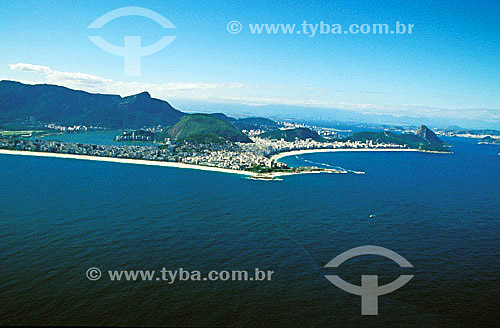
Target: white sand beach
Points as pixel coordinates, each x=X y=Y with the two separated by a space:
x=193 y=166
x=126 y=160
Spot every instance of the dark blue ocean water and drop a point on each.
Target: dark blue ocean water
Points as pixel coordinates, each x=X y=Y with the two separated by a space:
x=58 y=217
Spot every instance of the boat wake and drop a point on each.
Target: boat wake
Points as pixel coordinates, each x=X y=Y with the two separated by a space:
x=329 y=165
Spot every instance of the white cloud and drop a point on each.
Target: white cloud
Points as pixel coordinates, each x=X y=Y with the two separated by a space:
x=92 y=83
x=60 y=77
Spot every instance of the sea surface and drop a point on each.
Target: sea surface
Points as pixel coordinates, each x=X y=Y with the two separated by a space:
x=59 y=217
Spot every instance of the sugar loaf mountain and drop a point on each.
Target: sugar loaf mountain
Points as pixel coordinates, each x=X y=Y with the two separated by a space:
x=25 y=104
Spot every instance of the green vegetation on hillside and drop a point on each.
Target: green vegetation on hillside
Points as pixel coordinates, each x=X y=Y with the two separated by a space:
x=249 y=123
x=254 y=123
x=55 y=104
x=205 y=128
x=292 y=134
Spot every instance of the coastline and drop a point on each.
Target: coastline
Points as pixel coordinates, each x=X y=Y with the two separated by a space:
x=332 y=150
x=126 y=161
x=248 y=174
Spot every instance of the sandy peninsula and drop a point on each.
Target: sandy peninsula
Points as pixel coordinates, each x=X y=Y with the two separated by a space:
x=199 y=167
x=126 y=160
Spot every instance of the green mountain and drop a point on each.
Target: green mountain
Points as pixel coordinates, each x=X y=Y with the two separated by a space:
x=54 y=104
x=292 y=134
x=411 y=140
x=249 y=123
x=206 y=128
x=224 y=117
x=254 y=123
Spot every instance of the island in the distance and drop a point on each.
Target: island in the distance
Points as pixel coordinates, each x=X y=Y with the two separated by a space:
x=32 y=116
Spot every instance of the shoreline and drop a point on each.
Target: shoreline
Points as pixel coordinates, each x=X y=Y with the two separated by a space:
x=126 y=161
x=179 y=165
x=248 y=174
x=276 y=157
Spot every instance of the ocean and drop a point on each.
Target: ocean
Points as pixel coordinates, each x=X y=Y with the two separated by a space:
x=60 y=217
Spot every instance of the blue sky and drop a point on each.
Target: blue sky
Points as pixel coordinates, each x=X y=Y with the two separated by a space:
x=448 y=67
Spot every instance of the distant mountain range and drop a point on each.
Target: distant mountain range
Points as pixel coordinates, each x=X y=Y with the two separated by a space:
x=490 y=141
x=459 y=130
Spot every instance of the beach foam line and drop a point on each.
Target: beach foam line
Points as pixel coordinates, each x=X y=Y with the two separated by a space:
x=311 y=151
x=193 y=166
x=126 y=161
